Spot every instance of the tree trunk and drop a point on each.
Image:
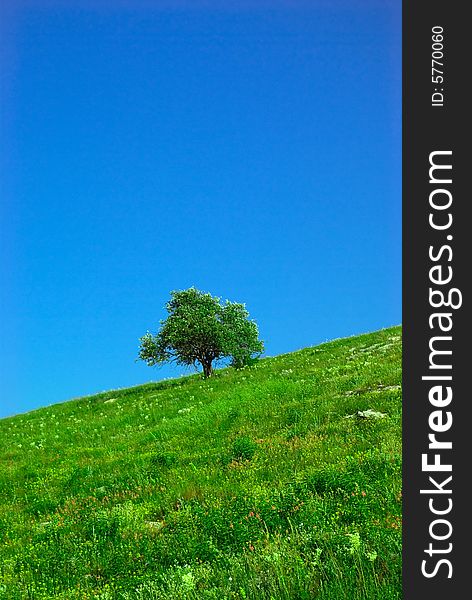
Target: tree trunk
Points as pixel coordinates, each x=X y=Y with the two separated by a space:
x=207 y=368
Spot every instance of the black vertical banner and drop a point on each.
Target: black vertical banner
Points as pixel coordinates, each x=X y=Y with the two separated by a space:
x=437 y=254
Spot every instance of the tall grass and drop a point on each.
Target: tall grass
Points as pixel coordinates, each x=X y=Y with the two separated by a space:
x=264 y=483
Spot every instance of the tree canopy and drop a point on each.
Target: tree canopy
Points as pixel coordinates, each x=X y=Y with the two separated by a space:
x=200 y=329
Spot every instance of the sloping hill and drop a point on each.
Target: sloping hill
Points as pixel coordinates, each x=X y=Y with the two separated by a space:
x=280 y=481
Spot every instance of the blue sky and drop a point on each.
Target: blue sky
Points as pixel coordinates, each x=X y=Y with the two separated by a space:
x=253 y=152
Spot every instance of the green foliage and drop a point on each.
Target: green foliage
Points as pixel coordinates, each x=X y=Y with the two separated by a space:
x=125 y=496
x=200 y=329
x=243 y=448
x=164 y=459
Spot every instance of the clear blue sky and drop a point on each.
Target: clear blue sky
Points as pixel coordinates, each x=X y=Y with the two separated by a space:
x=252 y=152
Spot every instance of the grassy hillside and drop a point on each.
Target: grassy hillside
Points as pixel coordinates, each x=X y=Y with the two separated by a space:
x=265 y=483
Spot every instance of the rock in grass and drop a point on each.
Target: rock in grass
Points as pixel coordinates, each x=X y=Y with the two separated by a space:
x=155 y=525
x=367 y=414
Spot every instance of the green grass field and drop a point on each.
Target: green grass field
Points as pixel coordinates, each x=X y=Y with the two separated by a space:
x=263 y=483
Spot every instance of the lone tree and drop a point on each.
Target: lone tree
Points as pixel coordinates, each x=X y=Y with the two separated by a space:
x=201 y=329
